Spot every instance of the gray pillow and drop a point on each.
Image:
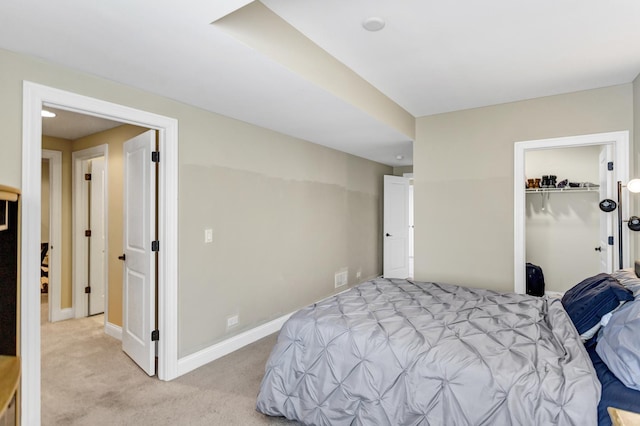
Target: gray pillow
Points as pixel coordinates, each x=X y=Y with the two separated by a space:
x=629 y=279
x=619 y=345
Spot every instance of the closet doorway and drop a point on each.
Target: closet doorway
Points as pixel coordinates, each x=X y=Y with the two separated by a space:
x=617 y=144
x=566 y=233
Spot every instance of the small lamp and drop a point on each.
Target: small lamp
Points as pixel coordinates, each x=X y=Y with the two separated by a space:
x=633 y=185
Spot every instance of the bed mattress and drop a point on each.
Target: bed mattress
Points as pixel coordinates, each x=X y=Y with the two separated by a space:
x=396 y=352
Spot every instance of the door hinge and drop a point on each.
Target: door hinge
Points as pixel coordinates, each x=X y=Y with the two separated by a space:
x=155 y=156
x=610 y=240
x=155 y=335
x=87 y=233
x=610 y=165
x=87 y=176
x=155 y=245
x=87 y=289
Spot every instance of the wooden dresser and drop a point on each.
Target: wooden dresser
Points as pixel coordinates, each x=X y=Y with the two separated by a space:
x=9 y=312
x=9 y=380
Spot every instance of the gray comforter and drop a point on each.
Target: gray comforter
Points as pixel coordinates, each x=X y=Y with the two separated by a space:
x=395 y=352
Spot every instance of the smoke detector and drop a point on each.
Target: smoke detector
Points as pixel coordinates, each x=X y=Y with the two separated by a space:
x=373 y=24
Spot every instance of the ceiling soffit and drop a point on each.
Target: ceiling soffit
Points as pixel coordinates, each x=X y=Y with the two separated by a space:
x=258 y=27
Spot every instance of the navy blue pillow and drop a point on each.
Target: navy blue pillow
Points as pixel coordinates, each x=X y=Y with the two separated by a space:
x=587 y=302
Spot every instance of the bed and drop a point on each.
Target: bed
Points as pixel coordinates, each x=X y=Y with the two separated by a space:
x=614 y=392
x=619 y=340
x=398 y=352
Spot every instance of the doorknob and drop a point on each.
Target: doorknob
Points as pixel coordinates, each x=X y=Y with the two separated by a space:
x=387 y=234
x=598 y=248
x=122 y=257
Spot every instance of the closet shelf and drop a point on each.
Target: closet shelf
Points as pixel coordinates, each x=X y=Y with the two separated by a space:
x=582 y=189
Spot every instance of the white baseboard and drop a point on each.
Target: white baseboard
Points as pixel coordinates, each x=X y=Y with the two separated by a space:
x=62 y=314
x=113 y=330
x=205 y=356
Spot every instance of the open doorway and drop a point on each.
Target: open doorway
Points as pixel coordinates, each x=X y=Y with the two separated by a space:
x=86 y=229
x=619 y=143
x=64 y=134
x=34 y=98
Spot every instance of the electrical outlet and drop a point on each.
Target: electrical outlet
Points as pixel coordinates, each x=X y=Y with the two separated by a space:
x=232 y=321
x=208 y=235
x=359 y=274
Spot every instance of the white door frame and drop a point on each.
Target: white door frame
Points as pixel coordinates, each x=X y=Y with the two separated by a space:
x=80 y=243
x=607 y=220
x=34 y=97
x=55 y=233
x=620 y=142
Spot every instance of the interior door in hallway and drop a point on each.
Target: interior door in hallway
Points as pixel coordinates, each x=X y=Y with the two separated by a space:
x=98 y=240
x=396 y=227
x=139 y=285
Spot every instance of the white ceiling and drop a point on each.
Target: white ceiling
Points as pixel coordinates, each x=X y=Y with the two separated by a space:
x=431 y=57
x=439 y=56
x=70 y=125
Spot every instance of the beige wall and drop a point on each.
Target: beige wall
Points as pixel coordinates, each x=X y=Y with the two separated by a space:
x=64 y=146
x=285 y=218
x=286 y=214
x=463 y=165
x=400 y=171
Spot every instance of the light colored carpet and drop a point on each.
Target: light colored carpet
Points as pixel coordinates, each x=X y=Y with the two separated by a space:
x=88 y=380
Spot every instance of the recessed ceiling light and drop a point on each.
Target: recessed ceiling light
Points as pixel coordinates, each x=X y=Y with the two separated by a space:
x=399 y=157
x=47 y=114
x=373 y=24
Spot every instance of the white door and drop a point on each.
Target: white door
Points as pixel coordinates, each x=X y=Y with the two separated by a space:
x=396 y=227
x=138 y=309
x=606 y=219
x=411 y=233
x=97 y=242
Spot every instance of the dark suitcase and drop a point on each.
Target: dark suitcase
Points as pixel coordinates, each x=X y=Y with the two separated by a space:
x=535 y=280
